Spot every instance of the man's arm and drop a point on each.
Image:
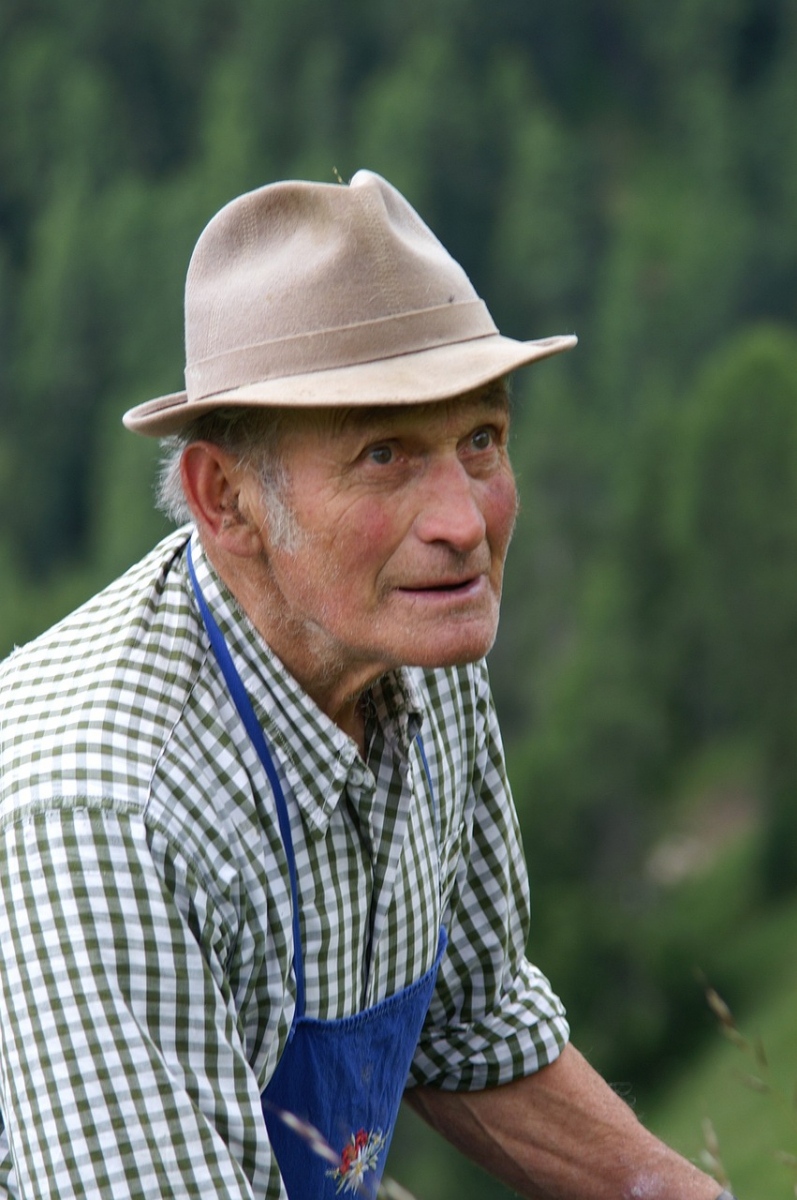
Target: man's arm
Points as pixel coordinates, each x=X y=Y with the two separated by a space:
x=122 y=1071
x=562 y=1134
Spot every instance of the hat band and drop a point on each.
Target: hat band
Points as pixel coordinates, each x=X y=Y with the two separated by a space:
x=325 y=349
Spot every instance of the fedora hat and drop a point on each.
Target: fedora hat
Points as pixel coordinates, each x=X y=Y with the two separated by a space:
x=302 y=294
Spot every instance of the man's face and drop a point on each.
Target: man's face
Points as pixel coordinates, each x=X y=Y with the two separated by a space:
x=403 y=516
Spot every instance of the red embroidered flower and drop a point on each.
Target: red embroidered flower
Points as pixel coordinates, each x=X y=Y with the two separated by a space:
x=359 y=1156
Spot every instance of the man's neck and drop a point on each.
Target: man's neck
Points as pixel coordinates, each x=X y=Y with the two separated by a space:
x=336 y=688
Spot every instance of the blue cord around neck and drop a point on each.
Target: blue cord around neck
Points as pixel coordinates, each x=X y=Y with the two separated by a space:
x=252 y=725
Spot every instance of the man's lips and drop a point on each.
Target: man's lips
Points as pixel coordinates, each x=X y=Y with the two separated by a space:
x=443 y=587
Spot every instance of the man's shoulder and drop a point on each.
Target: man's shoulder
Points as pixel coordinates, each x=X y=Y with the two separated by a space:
x=124 y=612
x=86 y=704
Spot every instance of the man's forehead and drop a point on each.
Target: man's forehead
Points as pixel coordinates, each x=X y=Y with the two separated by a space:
x=492 y=398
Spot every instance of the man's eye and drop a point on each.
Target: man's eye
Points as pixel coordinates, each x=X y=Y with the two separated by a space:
x=382 y=454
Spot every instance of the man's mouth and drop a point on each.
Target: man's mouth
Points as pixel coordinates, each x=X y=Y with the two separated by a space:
x=450 y=585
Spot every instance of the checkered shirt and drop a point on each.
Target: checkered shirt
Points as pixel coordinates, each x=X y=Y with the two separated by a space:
x=146 y=990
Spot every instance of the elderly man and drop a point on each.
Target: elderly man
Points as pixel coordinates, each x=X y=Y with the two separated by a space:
x=260 y=866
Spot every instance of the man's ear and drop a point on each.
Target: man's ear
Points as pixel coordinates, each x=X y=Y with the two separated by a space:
x=212 y=483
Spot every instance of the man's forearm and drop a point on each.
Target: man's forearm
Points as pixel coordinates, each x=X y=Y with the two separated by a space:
x=562 y=1134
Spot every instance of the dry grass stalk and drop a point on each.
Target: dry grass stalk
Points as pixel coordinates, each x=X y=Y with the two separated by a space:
x=760 y=1082
x=711 y=1156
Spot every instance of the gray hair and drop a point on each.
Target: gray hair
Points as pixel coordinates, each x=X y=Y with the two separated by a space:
x=254 y=436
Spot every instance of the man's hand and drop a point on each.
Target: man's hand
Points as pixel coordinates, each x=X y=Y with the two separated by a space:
x=562 y=1134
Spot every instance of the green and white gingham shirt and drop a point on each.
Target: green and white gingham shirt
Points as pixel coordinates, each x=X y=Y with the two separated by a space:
x=145 y=934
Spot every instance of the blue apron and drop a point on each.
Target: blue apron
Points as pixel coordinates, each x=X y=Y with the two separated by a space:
x=342 y=1079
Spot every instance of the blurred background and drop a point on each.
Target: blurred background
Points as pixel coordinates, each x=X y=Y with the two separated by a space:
x=627 y=171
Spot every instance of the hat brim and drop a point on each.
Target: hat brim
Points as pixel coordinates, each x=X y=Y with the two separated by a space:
x=437 y=373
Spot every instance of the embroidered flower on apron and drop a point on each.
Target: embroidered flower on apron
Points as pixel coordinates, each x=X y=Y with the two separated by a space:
x=360 y=1154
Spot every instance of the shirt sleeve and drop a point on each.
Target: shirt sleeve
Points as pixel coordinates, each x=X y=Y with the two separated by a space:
x=122 y=1071
x=494 y=1016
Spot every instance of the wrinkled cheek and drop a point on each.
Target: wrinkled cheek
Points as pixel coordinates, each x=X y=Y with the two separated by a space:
x=501 y=513
x=365 y=552
x=374 y=526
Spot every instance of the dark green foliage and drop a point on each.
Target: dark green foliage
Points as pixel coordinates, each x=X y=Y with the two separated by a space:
x=737 y=508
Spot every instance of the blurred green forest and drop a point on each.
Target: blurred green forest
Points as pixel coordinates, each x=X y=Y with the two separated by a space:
x=624 y=171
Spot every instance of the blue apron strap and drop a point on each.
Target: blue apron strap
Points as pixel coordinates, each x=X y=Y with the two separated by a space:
x=252 y=725
x=425 y=762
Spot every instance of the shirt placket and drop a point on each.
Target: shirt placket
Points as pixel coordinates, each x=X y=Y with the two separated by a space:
x=386 y=841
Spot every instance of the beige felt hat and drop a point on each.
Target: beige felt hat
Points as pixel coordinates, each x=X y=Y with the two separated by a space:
x=304 y=294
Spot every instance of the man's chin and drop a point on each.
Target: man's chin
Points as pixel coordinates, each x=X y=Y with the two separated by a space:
x=452 y=651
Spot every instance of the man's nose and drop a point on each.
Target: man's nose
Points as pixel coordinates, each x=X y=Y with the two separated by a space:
x=449 y=510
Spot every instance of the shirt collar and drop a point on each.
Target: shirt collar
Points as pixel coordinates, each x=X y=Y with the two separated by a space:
x=315 y=756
